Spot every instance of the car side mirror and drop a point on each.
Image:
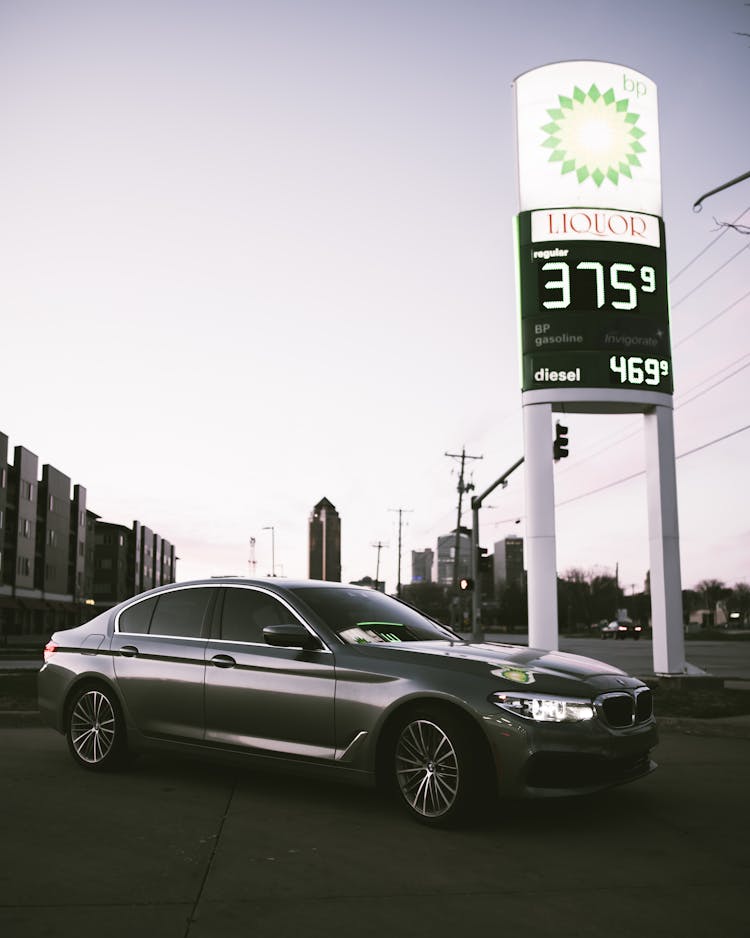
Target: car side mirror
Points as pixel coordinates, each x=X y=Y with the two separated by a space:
x=291 y=635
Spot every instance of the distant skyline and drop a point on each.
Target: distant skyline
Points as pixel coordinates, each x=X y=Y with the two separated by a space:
x=255 y=254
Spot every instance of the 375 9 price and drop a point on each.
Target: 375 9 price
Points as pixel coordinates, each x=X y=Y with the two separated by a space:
x=606 y=280
x=632 y=369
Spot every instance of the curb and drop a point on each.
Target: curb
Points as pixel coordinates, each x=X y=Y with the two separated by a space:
x=726 y=727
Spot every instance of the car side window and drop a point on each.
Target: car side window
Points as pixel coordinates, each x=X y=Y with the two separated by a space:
x=137 y=618
x=180 y=612
x=246 y=612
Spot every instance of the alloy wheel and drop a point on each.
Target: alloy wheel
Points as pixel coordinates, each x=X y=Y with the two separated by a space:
x=427 y=768
x=93 y=726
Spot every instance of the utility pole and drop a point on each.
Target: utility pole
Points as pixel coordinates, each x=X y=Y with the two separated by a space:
x=379 y=545
x=462 y=487
x=400 y=511
x=251 y=559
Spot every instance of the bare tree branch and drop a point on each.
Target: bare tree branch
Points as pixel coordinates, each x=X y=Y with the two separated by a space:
x=741 y=229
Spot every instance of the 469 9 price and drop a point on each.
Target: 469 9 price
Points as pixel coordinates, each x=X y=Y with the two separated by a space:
x=632 y=369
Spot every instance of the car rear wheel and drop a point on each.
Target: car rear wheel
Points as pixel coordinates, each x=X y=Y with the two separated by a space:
x=95 y=729
x=438 y=767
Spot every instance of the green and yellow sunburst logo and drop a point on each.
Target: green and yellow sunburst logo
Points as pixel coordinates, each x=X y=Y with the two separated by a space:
x=594 y=136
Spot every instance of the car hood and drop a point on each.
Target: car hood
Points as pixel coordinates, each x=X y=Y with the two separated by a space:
x=516 y=664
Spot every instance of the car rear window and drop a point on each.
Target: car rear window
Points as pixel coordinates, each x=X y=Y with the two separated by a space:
x=137 y=618
x=180 y=612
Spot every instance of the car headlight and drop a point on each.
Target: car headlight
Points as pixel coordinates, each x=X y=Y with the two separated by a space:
x=545 y=708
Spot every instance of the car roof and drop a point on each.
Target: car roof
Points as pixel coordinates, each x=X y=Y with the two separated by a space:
x=280 y=584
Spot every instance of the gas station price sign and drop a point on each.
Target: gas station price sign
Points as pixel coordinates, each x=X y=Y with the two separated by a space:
x=593 y=300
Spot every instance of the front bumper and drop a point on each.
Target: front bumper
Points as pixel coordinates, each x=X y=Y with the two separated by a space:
x=553 y=759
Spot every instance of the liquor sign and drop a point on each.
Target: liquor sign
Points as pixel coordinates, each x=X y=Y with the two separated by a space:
x=594 y=313
x=590 y=243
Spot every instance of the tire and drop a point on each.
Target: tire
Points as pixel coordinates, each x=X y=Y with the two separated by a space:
x=439 y=770
x=95 y=729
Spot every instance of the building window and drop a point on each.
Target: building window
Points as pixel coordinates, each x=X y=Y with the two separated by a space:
x=3 y=477
x=81 y=548
x=1 y=520
x=25 y=529
x=52 y=537
x=24 y=567
x=52 y=503
x=27 y=490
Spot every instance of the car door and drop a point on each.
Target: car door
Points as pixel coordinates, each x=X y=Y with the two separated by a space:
x=159 y=660
x=276 y=700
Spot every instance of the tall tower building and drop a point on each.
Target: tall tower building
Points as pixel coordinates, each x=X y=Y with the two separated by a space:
x=508 y=563
x=325 y=542
x=421 y=565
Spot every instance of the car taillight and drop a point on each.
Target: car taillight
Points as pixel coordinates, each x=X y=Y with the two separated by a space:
x=49 y=649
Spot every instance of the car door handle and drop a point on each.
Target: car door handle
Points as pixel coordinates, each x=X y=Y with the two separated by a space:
x=128 y=651
x=223 y=661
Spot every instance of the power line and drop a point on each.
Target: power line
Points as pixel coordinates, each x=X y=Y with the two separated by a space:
x=715 y=385
x=618 y=437
x=710 y=276
x=707 y=247
x=718 y=439
x=713 y=319
x=635 y=475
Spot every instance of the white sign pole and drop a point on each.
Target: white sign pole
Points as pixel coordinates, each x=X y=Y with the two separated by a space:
x=540 y=546
x=664 y=544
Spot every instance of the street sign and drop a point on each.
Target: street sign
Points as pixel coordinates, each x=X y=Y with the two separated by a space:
x=593 y=301
x=588 y=135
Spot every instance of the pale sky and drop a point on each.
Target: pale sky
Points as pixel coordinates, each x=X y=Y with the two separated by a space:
x=257 y=253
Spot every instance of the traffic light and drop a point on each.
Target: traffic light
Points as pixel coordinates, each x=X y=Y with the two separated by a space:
x=466 y=584
x=560 y=445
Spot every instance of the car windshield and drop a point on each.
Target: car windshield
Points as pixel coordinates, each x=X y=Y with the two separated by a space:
x=360 y=616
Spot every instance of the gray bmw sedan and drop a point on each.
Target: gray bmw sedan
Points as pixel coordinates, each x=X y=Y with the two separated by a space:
x=326 y=677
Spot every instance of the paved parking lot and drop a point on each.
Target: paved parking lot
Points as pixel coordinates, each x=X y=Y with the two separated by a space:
x=185 y=848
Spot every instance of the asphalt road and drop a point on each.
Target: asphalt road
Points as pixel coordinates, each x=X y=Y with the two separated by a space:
x=185 y=849
x=726 y=659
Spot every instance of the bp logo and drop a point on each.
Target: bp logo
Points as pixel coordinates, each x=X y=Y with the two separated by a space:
x=594 y=136
x=519 y=675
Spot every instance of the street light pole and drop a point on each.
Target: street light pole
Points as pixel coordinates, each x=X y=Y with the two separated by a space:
x=272 y=529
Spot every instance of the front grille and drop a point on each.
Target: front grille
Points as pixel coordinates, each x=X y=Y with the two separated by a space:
x=618 y=709
x=622 y=709
x=644 y=705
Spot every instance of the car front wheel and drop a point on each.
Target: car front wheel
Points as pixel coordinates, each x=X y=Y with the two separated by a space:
x=95 y=729
x=439 y=772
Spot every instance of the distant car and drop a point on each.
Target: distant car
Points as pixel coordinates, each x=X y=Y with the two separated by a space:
x=324 y=676
x=624 y=628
